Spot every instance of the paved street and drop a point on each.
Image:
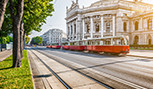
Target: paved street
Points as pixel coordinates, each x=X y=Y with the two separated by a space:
x=73 y=79
x=118 y=72
x=5 y=54
x=141 y=53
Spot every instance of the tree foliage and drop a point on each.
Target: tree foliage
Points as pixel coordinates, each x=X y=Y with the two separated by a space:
x=27 y=39
x=5 y=40
x=35 y=14
x=36 y=40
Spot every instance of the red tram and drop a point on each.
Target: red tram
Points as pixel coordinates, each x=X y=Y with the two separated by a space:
x=115 y=45
x=56 y=46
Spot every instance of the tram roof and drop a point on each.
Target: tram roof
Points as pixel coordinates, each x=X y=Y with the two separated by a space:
x=109 y=37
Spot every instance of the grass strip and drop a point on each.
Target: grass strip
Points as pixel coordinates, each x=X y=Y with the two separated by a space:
x=15 y=78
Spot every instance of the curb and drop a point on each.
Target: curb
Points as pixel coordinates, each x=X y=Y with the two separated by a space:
x=5 y=57
x=31 y=70
x=140 y=56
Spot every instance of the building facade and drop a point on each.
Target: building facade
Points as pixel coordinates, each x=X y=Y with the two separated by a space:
x=133 y=19
x=53 y=37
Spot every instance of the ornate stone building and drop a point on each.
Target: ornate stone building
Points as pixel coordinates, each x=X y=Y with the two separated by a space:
x=133 y=19
x=53 y=37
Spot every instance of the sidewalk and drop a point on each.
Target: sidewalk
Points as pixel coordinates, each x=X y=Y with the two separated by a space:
x=141 y=53
x=5 y=54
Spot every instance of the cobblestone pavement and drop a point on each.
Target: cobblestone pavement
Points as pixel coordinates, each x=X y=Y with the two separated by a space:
x=5 y=54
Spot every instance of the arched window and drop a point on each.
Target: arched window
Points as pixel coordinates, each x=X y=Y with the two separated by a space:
x=136 y=25
x=149 y=39
x=125 y=26
x=149 y=23
x=97 y=27
x=136 y=40
x=107 y=26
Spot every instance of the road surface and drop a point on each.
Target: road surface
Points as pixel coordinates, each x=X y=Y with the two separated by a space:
x=117 y=72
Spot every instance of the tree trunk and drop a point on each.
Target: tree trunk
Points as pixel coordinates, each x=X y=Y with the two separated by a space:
x=16 y=44
x=24 y=34
x=1 y=45
x=16 y=31
x=21 y=39
x=3 y=4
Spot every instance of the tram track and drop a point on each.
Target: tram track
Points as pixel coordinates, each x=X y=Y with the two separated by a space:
x=62 y=81
x=128 y=84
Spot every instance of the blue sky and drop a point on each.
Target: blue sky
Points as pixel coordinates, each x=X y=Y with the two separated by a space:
x=58 y=18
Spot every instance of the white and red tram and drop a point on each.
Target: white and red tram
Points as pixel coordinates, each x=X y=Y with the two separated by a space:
x=116 y=45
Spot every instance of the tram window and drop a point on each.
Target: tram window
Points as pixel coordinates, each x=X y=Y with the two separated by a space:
x=107 y=42
x=98 y=43
x=88 y=43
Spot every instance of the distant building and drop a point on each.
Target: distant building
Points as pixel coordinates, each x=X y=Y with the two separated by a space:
x=133 y=19
x=53 y=37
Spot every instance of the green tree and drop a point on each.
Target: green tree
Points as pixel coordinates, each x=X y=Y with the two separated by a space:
x=5 y=40
x=21 y=24
x=36 y=40
x=35 y=14
x=27 y=39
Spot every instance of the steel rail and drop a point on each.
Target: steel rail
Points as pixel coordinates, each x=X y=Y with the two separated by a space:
x=105 y=85
x=60 y=79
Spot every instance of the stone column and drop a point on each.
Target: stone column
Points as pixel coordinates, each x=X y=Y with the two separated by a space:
x=145 y=39
x=83 y=26
x=76 y=34
x=140 y=25
x=73 y=31
x=91 y=27
x=152 y=23
x=139 y=42
x=70 y=30
x=114 y=25
x=67 y=30
x=79 y=27
x=102 y=26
